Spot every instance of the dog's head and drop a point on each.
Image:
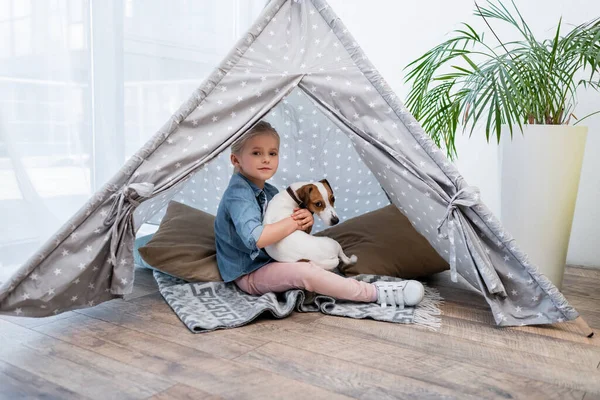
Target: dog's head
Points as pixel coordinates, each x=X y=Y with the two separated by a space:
x=319 y=199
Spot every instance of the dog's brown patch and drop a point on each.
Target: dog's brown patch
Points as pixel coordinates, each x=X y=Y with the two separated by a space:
x=311 y=197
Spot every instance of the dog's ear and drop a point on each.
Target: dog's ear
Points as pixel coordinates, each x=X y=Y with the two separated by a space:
x=304 y=193
x=327 y=185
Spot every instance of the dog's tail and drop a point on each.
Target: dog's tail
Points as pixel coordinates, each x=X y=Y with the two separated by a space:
x=345 y=259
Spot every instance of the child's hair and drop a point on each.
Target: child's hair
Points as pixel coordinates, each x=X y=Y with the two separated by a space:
x=260 y=128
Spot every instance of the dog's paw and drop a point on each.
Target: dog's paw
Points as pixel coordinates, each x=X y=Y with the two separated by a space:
x=353 y=259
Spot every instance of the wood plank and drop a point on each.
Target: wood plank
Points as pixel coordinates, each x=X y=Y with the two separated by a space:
x=550 y=341
x=589 y=310
x=583 y=303
x=482 y=354
x=142 y=338
x=425 y=366
x=567 y=331
x=486 y=324
x=32 y=322
x=184 y=392
x=592 y=273
x=17 y=383
x=577 y=354
x=149 y=317
x=179 y=363
x=152 y=306
x=73 y=368
x=342 y=376
x=581 y=286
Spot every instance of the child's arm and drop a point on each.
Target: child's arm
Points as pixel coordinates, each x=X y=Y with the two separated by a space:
x=273 y=233
x=302 y=220
x=245 y=214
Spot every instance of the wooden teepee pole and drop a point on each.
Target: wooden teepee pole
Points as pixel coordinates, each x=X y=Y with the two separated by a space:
x=584 y=327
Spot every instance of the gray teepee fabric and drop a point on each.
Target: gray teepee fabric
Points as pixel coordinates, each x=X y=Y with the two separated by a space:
x=294 y=47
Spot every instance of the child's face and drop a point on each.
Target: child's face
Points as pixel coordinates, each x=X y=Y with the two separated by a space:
x=259 y=157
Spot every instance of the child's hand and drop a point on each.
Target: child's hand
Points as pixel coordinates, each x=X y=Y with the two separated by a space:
x=303 y=218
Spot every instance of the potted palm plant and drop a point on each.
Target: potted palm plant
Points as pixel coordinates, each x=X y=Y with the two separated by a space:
x=523 y=94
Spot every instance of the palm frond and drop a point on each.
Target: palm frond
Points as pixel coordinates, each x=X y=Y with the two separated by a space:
x=465 y=80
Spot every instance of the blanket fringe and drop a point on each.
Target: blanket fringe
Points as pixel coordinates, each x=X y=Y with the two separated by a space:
x=427 y=313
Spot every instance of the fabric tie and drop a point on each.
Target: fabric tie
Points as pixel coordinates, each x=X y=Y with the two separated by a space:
x=127 y=199
x=468 y=197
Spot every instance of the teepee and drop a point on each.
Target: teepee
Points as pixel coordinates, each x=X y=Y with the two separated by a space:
x=299 y=68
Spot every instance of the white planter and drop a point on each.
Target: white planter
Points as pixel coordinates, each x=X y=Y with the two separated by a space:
x=539 y=179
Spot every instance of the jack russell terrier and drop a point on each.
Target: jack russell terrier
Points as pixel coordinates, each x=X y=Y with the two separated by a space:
x=318 y=198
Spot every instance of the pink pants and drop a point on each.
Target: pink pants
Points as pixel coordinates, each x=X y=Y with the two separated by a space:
x=279 y=277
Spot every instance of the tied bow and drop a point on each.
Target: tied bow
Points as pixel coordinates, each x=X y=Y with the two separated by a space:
x=121 y=211
x=468 y=197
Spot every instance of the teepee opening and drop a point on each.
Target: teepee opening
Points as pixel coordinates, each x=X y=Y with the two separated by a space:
x=312 y=148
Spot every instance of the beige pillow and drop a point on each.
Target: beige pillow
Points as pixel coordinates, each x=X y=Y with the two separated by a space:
x=386 y=243
x=184 y=245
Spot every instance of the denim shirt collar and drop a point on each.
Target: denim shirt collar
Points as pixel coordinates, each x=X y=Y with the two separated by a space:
x=257 y=191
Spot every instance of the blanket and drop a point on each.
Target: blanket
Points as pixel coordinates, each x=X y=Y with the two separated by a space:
x=207 y=306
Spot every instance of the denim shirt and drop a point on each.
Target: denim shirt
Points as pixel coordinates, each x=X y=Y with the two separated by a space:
x=238 y=227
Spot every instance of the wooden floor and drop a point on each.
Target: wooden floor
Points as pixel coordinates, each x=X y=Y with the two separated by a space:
x=138 y=349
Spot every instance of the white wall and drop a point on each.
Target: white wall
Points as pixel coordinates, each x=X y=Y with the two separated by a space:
x=393 y=33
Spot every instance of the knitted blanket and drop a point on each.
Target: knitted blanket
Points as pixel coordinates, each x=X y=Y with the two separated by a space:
x=206 y=306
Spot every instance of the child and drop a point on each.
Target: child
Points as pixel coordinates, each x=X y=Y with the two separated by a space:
x=241 y=236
